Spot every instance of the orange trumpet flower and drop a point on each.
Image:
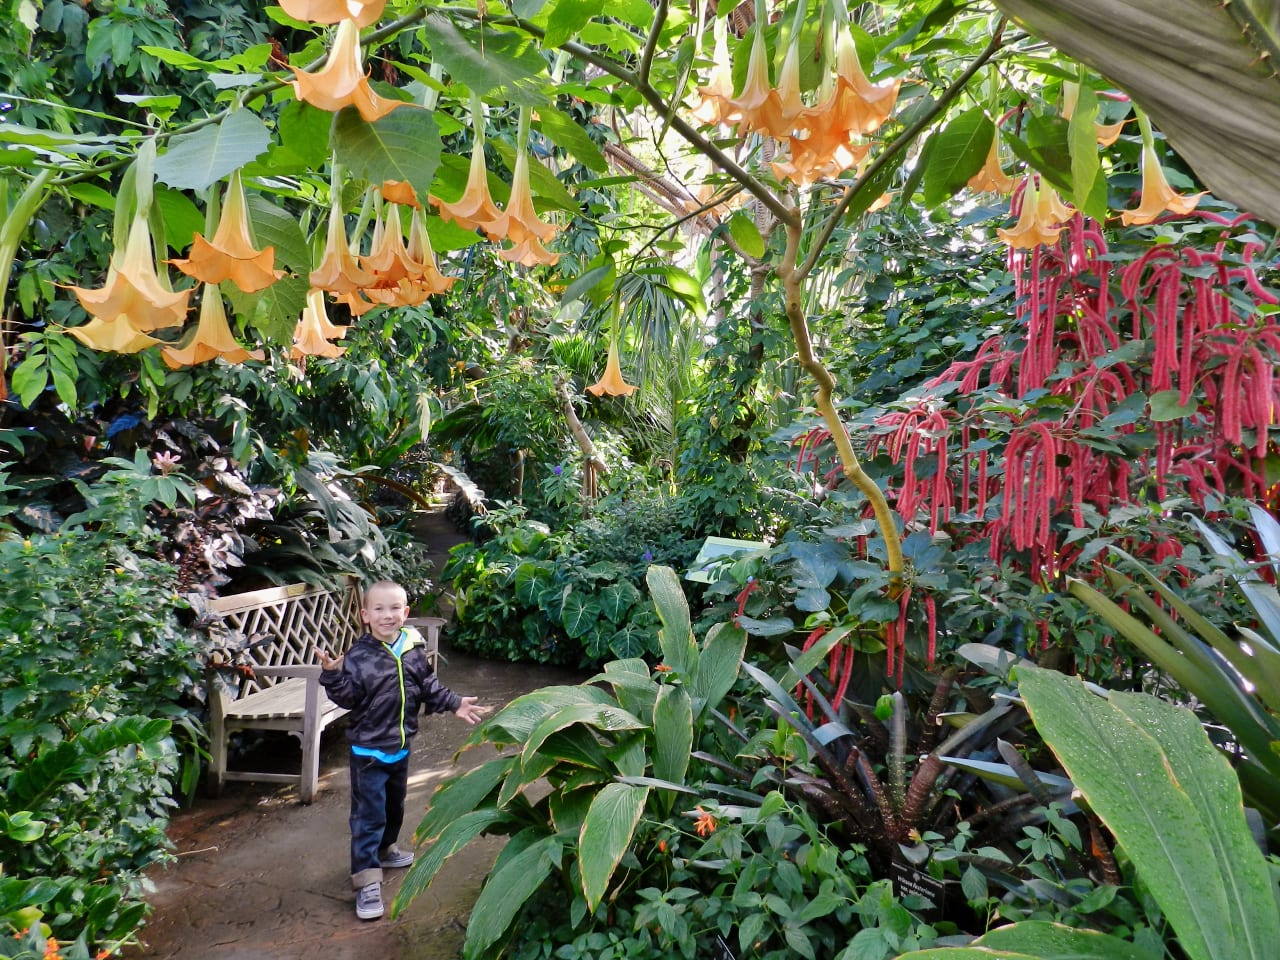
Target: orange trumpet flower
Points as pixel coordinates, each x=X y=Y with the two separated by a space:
x=231 y=254
x=475 y=209
x=334 y=11
x=612 y=382
x=758 y=107
x=133 y=292
x=856 y=104
x=212 y=338
x=113 y=336
x=400 y=191
x=1040 y=218
x=520 y=221
x=992 y=178
x=342 y=82
x=338 y=271
x=714 y=106
x=1157 y=196
x=420 y=252
x=312 y=335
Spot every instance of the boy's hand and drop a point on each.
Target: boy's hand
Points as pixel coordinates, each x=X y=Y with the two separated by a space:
x=471 y=711
x=327 y=662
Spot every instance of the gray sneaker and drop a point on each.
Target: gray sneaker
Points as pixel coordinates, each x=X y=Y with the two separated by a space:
x=369 y=901
x=389 y=858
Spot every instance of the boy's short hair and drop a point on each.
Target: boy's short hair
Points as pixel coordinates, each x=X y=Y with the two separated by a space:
x=383 y=585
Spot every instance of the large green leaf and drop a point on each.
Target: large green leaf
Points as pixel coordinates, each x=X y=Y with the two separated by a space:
x=461 y=795
x=601 y=716
x=453 y=838
x=508 y=887
x=676 y=637
x=672 y=733
x=568 y=17
x=519 y=718
x=718 y=665
x=959 y=150
x=1173 y=803
x=617 y=598
x=483 y=59
x=562 y=131
x=1204 y=70
x=273 y=312
x=403 y=145
x=606 y=834
x=579 y=613
x=196 y=161
x=1041 y=940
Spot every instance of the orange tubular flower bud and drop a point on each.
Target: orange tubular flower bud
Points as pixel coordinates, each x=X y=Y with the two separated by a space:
x=714 y=107
x=334 y=11
x=213 y=337
x=758 y=107
x=231 y=254
x=341 y=82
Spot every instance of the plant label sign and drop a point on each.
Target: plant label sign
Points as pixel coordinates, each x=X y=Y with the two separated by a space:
x=720 y=950
x=908 y=880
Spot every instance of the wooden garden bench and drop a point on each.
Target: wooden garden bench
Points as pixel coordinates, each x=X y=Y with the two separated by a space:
x=272 y=681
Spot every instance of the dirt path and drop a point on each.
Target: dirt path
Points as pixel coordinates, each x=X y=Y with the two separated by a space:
x=259 y=876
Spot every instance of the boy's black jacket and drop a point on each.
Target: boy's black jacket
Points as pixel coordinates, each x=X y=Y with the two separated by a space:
x=384 y=696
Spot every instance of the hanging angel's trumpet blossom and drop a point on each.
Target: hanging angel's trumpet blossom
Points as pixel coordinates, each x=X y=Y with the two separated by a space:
x=388 y=260
x=519 y=223
x=231 y=255
x=859 y=106
x=341 y=82
x=475 y=209
x=758 y=107
x=113 y=336
x=420 y=252
x=212 y=338
x=133 y=293
x=992 y=178
x=313 y=335
x=1157 y=196
x=714 y=107
x=1040 y=219
x=529 y=252
x=338 y=271
x=401 y=192
x=612 y=382
x=334 y=11
x=825 y=152
x=1105 y=133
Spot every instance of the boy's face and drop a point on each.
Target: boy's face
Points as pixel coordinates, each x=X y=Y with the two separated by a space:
x=385 y=611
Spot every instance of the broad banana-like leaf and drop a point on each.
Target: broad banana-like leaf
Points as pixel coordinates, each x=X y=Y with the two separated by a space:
x=605 y=836
x=1204 y=70
x=672 y=734
x=718 y=665
x=461 y=796
x=452 y=839
x=607 y=717
x=1148 y=770
x=505 y=892
x=676 y=636
x=1040 y=940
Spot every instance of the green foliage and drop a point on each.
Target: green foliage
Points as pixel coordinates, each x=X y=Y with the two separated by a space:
x=573 y=597
x=604 y=749
x=96 y=680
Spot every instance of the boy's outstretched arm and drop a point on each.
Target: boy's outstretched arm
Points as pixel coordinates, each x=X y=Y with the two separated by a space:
x=471 y=711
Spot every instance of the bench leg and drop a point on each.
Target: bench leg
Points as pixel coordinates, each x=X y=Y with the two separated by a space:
x=310 y=777
x=217 y=749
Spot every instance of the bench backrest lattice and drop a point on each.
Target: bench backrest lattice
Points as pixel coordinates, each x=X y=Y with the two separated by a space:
x=282 y=625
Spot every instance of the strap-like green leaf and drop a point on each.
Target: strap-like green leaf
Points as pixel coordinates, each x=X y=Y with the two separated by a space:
x=605 y=836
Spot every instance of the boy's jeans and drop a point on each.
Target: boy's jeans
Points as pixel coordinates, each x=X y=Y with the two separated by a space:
x=377 y=813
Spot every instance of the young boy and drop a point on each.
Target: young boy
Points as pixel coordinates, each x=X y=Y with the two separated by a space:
x=383 y=680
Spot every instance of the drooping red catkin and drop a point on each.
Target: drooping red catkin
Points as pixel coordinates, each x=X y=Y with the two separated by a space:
x=931 y=611
x=845 y=675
